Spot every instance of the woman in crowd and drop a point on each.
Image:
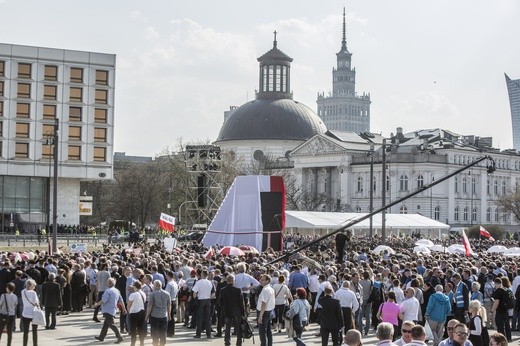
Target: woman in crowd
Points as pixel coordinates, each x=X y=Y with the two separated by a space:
x=475 y=324
x=300 y=307
x=389 y=312
x=136 y=301
x=282 y=295
x=475 y=292
x=8 y=302
x=30 y=301
x=498 y=339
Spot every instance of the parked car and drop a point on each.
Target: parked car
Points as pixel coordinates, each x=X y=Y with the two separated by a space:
x=192 y=236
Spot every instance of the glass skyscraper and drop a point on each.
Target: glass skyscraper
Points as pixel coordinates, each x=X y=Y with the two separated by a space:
x=513 y=87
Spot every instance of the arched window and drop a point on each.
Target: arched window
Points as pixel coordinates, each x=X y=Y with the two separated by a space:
x=496 y=215
x=495 y=188
x=403 y=183
x=504 y=217
x=503 y=187
x=456 y=184
x=473 y=185
x=465 y=214
x=374 y=185
x=387 y=183
x=359 y=184
x=488 y=187
x=403 y=210
x=464 y=185
x=488 y=214
x=456 y=214
x=358 y=209
x=437 y=213
x=474 y=214
x=420 y=181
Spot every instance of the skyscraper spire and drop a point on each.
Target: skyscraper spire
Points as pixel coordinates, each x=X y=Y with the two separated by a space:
x=344 y=41
x=274 y=42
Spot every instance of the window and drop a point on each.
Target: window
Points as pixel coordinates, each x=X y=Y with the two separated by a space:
x=100 y=115
x=495 y=188
x=22 y=130
x=456 y=184
x=21 y=150
x=2 y=68
x=49 y=92
x=437 y=213
x=473 y=185
x=74 y=152
x=503 y=187
x=47 y=130
x=496 y=215
x=101 y=96
x=24 y=90
x=1 y=130
x=488 y=214
x=47 y=151
x=420 y=181
x=75 y=133
x=359 y=184
x=374 y=184
x=100 y=134
x=464 y=185
x=1 y=108
x=387 y=183
x=488 y=187
x=100 y=154
x=1 y=88
x=403 y=210
x=49 y=111
x=76 y=95
x=76 y=75
x=465 y=214
x=51 y=73
x=24 y=71
x=474 y=214
x=75 y=113
x=403 y=183
x=456 y=214
x=101 y=77
x=358 y=209
x=23 y=110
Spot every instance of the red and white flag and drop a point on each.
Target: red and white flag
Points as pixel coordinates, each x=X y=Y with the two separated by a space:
x=466 y=244
x=486 y=234
x=167 y=222
x=210 y=253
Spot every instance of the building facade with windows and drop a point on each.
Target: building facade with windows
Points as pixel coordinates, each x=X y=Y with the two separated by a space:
x=37 y=87
x=340 y=169
x=343 y=109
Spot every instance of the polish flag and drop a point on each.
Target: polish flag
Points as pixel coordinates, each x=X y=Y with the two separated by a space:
x=167 y=222
x=466 y=244
x=209 y=253
x=486 y=234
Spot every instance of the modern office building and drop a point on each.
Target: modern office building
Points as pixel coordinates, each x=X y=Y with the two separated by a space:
x=37 y=87
x=343 y=109
x=513 y=87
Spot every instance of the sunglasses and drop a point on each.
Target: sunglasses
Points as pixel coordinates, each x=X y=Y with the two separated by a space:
x=450 y=328
x=462 y=334
x=406 y=331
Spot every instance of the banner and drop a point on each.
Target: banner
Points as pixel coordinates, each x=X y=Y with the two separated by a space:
x=170 y=244
x=167 y=222
x=85 y=205
x=466 y=244
x=486 y=234
x=78 y=247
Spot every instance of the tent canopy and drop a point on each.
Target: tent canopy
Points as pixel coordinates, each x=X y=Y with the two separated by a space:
x=332 y=220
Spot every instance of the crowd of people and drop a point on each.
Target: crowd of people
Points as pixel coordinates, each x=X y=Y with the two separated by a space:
x=143 y=291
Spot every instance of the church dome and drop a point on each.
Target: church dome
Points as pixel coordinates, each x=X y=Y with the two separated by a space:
x=274 y=115
x=283 y=119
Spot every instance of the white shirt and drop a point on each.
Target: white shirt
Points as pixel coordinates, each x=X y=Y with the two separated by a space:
x=347 y=299
x=203 y=288
x=267 y=296
x=245 y=281
x=137 y=299
x=410 y=308
x=314 y=283
x=281 y=292
x=30 y=300
x=173 y=289
x=399 y=294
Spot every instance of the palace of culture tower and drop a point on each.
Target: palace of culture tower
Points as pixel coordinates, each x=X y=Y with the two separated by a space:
x=344 y=110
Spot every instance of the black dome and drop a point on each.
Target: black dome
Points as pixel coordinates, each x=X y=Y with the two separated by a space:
x=271 y=119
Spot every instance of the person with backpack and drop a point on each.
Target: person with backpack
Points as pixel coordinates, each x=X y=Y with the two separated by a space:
x=503 y=301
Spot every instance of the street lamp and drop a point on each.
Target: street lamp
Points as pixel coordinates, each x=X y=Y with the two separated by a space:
x=180 y=207
x=55 y=190
x=383 y=196
x=371 y=207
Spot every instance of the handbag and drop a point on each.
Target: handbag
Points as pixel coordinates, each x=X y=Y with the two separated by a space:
x=428 y=331
x=38 y=315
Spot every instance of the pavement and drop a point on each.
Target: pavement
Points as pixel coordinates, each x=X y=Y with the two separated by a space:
x=79 y=329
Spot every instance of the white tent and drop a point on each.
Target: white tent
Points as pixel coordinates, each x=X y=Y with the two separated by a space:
x=314 y=220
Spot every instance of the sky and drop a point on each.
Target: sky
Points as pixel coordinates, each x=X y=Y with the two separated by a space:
x=181 y=64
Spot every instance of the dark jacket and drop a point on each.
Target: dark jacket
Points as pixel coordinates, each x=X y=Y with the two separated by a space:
x=231 y=301
x=331 y=315
x=51 y=295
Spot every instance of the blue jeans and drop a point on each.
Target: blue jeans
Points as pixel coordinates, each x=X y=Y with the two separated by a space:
x=264 y=329
x=158 y=328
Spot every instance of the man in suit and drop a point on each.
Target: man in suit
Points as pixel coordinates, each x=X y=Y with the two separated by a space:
x=231 y=303
x=332 y=318
x=51 y=300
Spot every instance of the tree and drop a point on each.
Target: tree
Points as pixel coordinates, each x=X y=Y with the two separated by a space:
x=496 y=232
x=510 y=203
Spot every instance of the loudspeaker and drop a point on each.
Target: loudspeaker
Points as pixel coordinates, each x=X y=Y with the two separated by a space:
x=201 y=191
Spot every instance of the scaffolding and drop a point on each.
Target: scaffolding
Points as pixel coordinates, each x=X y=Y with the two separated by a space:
x=204 y=187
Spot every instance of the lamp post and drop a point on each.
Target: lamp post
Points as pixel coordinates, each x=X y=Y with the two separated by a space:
x=371 y=207
x=55 y=190
x=383 y=196
x=471 y=187
x=180 y=207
